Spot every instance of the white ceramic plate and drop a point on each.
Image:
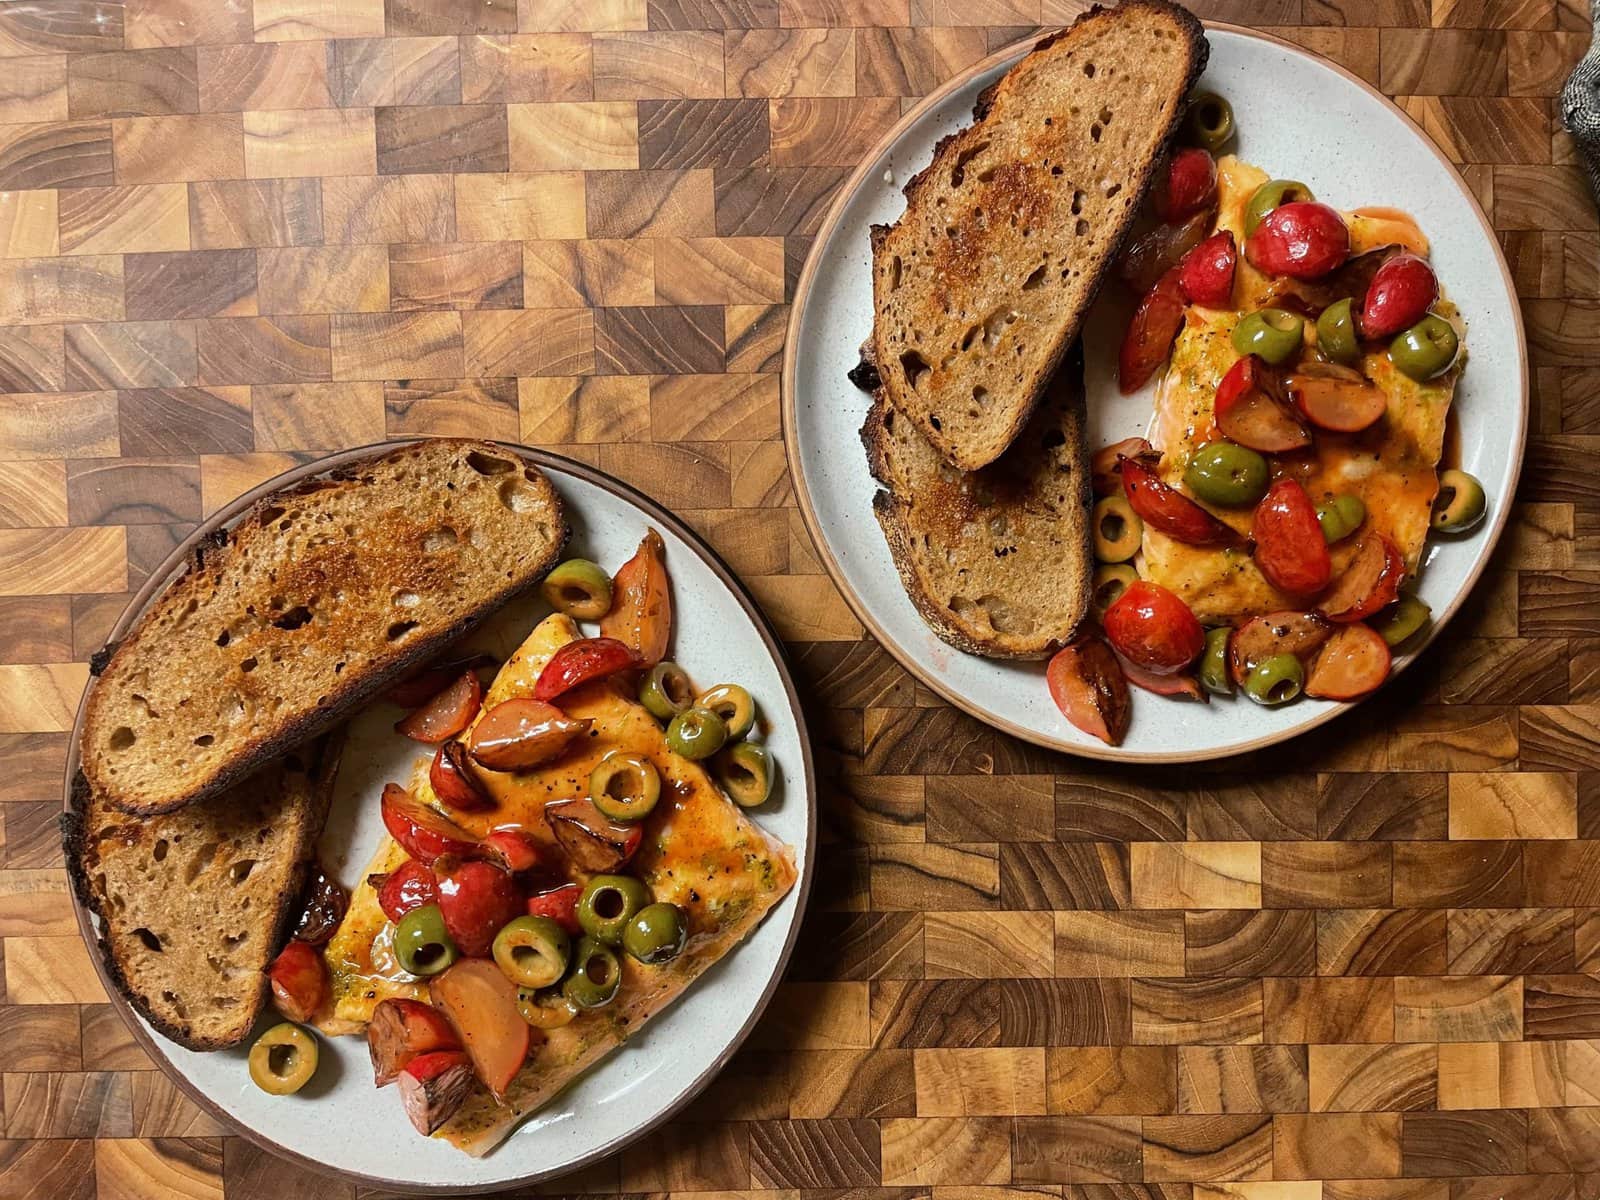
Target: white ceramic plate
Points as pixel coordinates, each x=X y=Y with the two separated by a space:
x=1352 y=147
x=341 y=1122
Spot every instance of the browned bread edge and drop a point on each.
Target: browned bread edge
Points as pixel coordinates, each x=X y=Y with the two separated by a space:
x=1199 y=52
x=353 y=689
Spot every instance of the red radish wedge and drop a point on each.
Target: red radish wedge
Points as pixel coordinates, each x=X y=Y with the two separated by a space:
x=1180 y=684
x=447 y=714
x=581 y=662
x=1353 y=663
x=641 y=602
x=560 y=904
x=1401 y=292
x=523 y=732
x=424 y=685
x=1087 y=685
x=1151 y=628
x=1105 y=476
x=433 y=1086
x=1151 y=332
x=1249 y=409
x=299 y=981
x=1186 y=186
x=1371 y=580
x=401 y=1029
x=1335 y=398
x=408 y=886
x=475 y=900
x=455 y=782
x=591 y=839
x=1151 y=255
x=1290 y=548
x=1169 y=511
x=482 y=1006
x=423 y=832
x=1302 y=239
x=1260 y=638
x=1207 y=273
x=513 y=848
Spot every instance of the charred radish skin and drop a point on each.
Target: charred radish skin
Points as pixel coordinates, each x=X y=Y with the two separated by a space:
x=433 y=1087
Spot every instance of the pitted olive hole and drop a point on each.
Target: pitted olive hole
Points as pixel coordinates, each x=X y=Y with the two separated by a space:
x=597 y=967
x=1283 y=690
x=282 y=1059
x=1112 y=526
x=608 y=902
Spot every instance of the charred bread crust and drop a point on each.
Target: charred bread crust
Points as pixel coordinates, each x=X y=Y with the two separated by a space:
x=351 y=693
x=951 y=145
x=75 y=847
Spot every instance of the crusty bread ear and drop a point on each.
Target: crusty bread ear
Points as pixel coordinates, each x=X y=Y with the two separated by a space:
x=983 y=283
x=318 y=598
x=996 y=560
x=194 y=905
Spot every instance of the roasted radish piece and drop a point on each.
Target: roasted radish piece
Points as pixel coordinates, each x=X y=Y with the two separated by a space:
x=560 y=905
x=482 y=1006
x=1151 y=255
x=432 y=1087
x=1169 y=511
x=520 y=733
x=423 y=832
x=447 y=714
x=1153 y=629
x=1249 y=410
x=455 y=782
x=641 y=603
x=418 y=689
x=1370 y=582
x=399 y=1030
x=299 y=981
x=514 y=849
x=581 y=662
x=1401 y=292
x=476 y=899
x=591 y=839
x=1087 y=685
x=1290 y=548
x=1334 y=397
x=1187 y=185
x=1207 y=273
x=408 y=886
x=1352 y=663
x=1104 y=467
x=1151 y=332
x=1261 y=638
x=1181 y=684
x=1303 y=240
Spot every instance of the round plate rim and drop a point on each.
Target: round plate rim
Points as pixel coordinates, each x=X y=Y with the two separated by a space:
x=164 y=575
x=787 y=404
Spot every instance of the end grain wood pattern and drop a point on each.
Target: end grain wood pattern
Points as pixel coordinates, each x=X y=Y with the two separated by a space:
x=237 y=233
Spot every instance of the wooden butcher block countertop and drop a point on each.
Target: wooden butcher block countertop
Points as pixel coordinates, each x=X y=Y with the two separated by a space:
x=237 y=233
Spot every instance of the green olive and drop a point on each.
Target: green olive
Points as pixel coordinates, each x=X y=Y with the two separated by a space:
x=1110 y=581
x=1268 y=196
x=1209 y=121
x=1460 y=503
x=548 y=1009
x=283 y=1059
x=746 y=773
x=532 y=951
x=1272 y=334
x=1118 y=531
x=421 y=942
x=608 y=903
x=596 y=975
x=1426 y=349
x=1224 y=473
x=666 y=691
x=1214 y=675
x=1401 y=620
x=625 y=786
x=579 y=588
x=656 y=934
x=733 y=704
x=696 y=733
x=1340 y=516
x=1336 y=332
x=1276 y=680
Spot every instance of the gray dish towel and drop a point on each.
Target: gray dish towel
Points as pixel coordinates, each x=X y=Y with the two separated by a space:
x=1580 y=105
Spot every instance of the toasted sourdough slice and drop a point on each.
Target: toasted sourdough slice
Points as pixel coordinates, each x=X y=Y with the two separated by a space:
x=997 y=560
x=317 y=598
x=982 y=284
x=194 y=904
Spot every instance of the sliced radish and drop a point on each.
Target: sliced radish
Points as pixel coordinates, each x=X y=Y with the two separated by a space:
x=1353 y=663
x=1249 y=410
x=1334 y=397
x=1370 y=581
